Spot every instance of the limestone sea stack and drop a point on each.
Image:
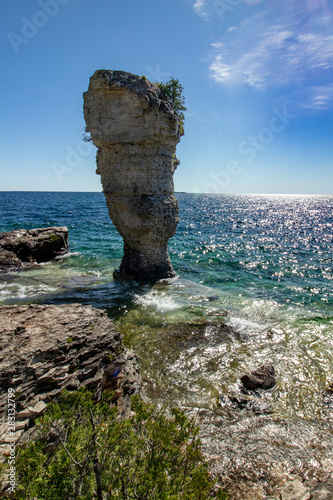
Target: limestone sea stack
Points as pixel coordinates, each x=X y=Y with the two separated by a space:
x=136 y=132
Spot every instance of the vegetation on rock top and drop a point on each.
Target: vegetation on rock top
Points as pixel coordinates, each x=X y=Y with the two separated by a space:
x=173 y=92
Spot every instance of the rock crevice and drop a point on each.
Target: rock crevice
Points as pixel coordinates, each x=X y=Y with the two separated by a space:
x=136 y=132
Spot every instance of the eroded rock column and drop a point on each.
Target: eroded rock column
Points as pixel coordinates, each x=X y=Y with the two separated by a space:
x=136 y=132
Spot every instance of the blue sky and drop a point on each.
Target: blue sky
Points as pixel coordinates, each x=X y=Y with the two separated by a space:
x=257 y=78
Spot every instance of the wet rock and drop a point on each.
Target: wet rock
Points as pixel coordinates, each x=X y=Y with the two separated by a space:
x=261 y=378
x=295 y=490
x=323 y=491
x=242 y=402
x=329 y=391
x=46 y=348
x=217 y=313
x=136 y=131
x=328 y=396
x=24 y=247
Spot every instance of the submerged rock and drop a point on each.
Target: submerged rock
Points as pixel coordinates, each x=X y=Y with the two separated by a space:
x=329 y=390
x=295 y=490
x=323 y=491
x=47 y=348
x=261 y=378
x=236 y=401
x=24 y=247
x=136 y=131
x=328 y=396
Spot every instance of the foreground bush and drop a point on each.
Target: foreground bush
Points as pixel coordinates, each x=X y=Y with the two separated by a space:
x=93 y=455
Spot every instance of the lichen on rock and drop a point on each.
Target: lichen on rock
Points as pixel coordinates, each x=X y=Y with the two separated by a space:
x=136 y=132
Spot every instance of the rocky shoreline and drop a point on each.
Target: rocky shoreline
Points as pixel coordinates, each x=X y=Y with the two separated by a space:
x=47 y=348
x=246 y=468
x=24 y=248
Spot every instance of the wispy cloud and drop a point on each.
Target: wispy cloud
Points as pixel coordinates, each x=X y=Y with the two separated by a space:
x=318 y=98
x=199 y=8
x=286 y=56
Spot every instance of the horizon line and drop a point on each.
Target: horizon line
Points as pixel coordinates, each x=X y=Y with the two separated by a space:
x=176 y=192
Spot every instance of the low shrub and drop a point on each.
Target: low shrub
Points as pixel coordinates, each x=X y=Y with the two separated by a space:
x=84 y=451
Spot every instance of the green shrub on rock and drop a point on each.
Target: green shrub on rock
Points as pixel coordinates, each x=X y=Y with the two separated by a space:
x=173 y=92
x=84 y=452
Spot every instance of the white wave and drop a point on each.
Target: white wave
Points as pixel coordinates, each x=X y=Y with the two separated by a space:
x=161 y=302
x=67 y=255
x=245 y=326
x=19 y=291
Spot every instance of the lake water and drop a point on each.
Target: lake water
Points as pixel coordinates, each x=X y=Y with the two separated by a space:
x=260 y=265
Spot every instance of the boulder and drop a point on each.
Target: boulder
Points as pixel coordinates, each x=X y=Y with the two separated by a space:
x=47 y=348
x=261 y=378
x=24 y=247
x=136 y=131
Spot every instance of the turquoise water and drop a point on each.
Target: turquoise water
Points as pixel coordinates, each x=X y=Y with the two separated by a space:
x=254 y=284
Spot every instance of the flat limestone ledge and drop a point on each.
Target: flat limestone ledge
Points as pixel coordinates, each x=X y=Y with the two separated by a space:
x=46 y=348
x=25 y=247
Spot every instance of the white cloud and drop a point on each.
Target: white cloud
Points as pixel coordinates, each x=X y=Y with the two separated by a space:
x=319 y=98
x=198 y=4
x=221 y=71
x=277 y=55
x=198 y=7
x=217 y=45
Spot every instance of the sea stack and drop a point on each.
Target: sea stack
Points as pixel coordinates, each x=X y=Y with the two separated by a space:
x=136 y=132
